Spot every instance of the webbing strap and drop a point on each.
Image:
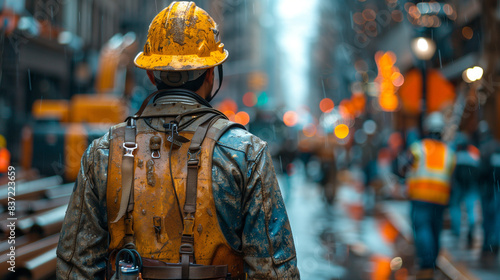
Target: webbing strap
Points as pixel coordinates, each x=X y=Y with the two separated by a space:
x=144 y=104
x=127 y=199
x=187 y=244
x=194 y=163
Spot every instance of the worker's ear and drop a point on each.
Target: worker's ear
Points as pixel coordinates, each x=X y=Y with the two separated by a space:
x=151 y=77
x=210 y=75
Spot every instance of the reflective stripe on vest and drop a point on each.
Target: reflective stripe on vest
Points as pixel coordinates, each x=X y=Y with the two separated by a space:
x=429 y=179
x=157 y=224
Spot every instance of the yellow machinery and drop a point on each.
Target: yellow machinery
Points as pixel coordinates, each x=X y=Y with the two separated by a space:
x=63 y=129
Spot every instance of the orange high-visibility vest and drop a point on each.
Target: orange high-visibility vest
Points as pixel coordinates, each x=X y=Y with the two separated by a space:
x=156 y=221
x=4 y=160
x=429 y=179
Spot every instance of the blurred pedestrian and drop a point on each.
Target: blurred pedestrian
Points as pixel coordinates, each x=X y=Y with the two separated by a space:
x=465 y=186
x=490 y=201
x=430 y=162
x=286 y=156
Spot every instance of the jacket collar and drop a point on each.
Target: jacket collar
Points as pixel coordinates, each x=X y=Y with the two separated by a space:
x=180 y=96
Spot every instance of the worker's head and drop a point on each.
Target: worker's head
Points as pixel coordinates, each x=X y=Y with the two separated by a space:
x=3 y=142
x=182 y=49
x=434 y=125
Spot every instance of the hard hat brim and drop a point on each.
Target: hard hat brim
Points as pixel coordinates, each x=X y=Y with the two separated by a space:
x=179 y=62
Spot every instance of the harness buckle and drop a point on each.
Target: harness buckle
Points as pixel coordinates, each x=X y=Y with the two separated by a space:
x=188 y=225
x=186 y=249
x=193 y=159
x=129 y=150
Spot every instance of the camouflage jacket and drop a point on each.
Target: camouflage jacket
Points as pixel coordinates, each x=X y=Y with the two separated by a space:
x=248 y=200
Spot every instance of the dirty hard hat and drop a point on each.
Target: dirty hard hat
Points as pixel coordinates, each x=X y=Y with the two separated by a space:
x=182 y=37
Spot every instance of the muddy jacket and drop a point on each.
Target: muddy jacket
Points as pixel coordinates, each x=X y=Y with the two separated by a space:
x=249 y=205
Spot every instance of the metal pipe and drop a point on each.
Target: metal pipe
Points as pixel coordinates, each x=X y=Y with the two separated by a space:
x=32 y=189
x=44 y=265
x=40 y=206
x=30 y=251
x=42 y=223
x=49 y=222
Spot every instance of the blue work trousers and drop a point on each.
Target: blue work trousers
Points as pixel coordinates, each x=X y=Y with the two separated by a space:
x=464 y=190
x=427 y=220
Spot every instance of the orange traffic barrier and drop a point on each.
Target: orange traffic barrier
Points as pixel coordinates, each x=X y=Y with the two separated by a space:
x=388 y=231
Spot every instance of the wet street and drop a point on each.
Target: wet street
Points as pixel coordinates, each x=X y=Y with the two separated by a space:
x=324 y=234
x=345 y=241
x=312 y=223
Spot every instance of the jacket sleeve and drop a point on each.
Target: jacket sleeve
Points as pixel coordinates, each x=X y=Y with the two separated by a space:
x=250 y=207
x=82 y=248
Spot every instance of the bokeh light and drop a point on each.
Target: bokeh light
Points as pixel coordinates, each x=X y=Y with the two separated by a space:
x=388 y=102
x=358 y=101
x=473 y=74
x=358 y=18
x=229 y=114
x=242 y=118
x=397 y=16
x=369 y=127
x=227 y=105
x=309 y=130
x=369 y=15
x=467 y=32
x=397 y=79
x=341 y=131
x=326 y=105
x=262 y=99
x=448 y=9
x=250 y=99
x=290 y=118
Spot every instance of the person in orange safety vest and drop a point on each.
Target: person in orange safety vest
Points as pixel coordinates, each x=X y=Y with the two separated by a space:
x=429 y=185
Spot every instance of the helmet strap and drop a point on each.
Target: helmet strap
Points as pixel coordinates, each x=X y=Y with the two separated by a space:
x=221 y=76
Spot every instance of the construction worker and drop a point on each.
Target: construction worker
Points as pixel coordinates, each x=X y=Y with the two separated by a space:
x=490 y=192
x=431 y=163
x=181 y=192
x=4 y=156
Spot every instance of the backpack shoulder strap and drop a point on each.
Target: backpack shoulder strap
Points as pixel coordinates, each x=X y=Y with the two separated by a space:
x=220 y=127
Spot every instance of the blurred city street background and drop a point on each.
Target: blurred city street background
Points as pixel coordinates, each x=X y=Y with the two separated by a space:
x=338 y=89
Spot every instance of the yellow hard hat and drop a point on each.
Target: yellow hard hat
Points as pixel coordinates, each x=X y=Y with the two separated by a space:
x=3 y=142
x=182 y=37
